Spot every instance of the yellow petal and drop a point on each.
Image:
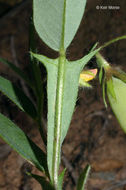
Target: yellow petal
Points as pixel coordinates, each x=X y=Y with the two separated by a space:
x=88 y=75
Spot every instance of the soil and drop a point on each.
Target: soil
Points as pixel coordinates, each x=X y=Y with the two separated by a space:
x=94 y=135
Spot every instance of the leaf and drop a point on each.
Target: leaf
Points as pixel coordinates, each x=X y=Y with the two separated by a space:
x=17 y=139
x=119 y=105
x=60 y=179
x=57 y=20
x=43 y=182
x=17 y=70
x=83 y=178
x=71 y=82
x=17 y=96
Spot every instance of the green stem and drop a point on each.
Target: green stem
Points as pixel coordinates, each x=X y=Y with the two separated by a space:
x=58 y=118
x=101 y=61
x=59 y=106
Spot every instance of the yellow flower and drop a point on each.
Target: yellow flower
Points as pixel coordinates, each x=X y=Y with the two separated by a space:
x=87 y=75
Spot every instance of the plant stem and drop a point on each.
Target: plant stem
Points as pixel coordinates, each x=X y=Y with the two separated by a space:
x=58 y=117
x=59 y=106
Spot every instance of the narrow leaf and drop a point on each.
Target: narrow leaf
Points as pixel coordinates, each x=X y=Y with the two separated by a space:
x=83 y=178
x=57 y=19
x=17 y=139
x=119 y=105
x=17 y=96
x=43 y=182
x=17 y=70
x=60 y=179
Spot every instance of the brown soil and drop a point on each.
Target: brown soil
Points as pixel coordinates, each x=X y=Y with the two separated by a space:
x=94 y=136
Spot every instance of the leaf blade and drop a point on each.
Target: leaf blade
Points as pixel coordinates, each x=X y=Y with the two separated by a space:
x=57 y=15
x=17 y=96
x=83 y=178
x=17 y=139
x=17 y=70
x=72 y=75
x=43 y=182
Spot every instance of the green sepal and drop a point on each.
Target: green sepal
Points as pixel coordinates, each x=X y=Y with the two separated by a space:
x=84 y=84
x=104 y=91
x=101 y=75
x=110 y=88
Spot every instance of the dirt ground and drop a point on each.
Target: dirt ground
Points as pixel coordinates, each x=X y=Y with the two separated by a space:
x=94 y=136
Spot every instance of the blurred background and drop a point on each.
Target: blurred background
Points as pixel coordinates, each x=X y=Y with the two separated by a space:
x=94 y=136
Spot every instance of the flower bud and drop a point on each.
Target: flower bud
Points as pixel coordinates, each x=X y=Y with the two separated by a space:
x=114 y=83
x=87 y=75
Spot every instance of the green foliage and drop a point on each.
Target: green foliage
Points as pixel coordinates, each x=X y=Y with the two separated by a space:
x=60 y=179
x=22 y=144
x=56 y=22
x=58 y=19
x=83 y=178
x=43 y=182
x=71 y=79
x=17 y=70
x=16 y=95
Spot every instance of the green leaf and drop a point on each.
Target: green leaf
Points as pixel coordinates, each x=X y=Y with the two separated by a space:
x=119 y=105
x=83 y=178
x=17 y=96
x=60 y=179
x=43 y=182
x=57 y=20
x=17 y=70
x=71 y=82
x=17 y=139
